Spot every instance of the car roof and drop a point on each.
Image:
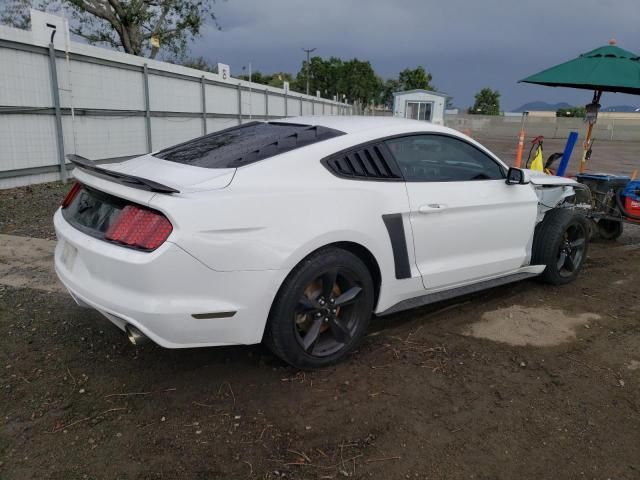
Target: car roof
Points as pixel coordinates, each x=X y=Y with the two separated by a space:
x=373 y=128
x=356 y=123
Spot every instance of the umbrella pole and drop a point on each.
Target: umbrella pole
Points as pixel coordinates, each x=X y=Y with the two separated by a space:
x=587 y=141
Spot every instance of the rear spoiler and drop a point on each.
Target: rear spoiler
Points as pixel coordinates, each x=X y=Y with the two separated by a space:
x=122 y=178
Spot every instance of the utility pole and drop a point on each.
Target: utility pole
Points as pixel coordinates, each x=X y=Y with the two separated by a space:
x=250 y=95
x=308 y=50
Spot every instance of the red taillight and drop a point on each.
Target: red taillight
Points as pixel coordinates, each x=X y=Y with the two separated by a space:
x=140 y=228
x=71 y=195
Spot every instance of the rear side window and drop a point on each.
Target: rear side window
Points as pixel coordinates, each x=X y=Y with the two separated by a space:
x=440 y=158
x=245 y=144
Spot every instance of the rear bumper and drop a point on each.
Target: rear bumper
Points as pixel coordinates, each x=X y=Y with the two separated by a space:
x=160 y=291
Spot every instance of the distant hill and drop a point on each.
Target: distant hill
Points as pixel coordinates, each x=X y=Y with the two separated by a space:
x=621 y=108
x=541 y=107
x=552 y=107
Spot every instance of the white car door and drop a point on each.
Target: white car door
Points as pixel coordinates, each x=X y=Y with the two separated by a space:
x=467 y=223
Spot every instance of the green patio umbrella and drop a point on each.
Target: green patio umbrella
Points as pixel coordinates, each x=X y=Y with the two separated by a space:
x=605 y=69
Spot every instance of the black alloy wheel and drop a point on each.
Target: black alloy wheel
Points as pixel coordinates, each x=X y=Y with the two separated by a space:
x=560 y=243
x=325 y=320
x=571 y=251
x=322 y=310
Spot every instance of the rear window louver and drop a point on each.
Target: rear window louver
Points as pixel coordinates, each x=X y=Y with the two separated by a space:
x=245 y=144
x=372 y=162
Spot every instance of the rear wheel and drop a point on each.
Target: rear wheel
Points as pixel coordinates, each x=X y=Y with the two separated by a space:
x=560 y=242
x=322 y=310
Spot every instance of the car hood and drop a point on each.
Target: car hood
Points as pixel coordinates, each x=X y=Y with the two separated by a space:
x=185 y=178
x=539 y=178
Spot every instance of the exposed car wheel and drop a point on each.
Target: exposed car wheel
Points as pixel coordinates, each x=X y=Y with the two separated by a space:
x=322 y=310
x=609 y=229
x=560 y=242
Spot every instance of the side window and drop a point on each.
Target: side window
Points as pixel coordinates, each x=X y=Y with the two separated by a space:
x=440 y=158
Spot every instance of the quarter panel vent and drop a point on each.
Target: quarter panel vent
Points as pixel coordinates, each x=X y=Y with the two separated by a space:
x=369 y=162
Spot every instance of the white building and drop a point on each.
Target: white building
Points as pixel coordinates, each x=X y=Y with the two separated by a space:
x=420 y=105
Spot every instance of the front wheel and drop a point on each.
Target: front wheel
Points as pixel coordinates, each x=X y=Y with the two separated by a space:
x=560 y=242
x=322 y=310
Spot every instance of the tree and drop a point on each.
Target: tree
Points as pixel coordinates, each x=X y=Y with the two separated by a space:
x=16 y=13
x=487 y=102
x=324 y=76
x=388 y=89
x=578 y=112
x=449 y=104
x=418 y=78
x=273 y=80
x=353 y=78
x=138 y=27
x=359 y=82
x=199 y=63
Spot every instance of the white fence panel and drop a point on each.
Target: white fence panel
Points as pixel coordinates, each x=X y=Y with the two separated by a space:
x=103 y=136
x=174 y=94
x=222 y=99
x=27 y=141
x=24 y=79
x=276 y=105
x=88 y=85
x=214 y=124
x=171 y=130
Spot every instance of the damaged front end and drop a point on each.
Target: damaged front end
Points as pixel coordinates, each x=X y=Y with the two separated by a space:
x=558 y=192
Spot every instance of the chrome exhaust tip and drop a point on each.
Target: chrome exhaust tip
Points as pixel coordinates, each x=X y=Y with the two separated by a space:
x=135 y=336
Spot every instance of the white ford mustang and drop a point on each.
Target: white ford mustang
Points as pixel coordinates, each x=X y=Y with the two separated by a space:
x=294 y=232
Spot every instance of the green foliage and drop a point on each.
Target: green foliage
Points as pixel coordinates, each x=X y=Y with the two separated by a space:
x=273 y=80
x=487 y=102
x=413 y=79
x=408 y=79
x=199 y=63
x=386 y=96
x=577 y=112
x=127 y=25
x=15 y=13
x=353 y=79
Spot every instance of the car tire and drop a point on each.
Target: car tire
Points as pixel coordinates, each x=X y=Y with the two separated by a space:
x=330 y=294
x=609 y=229
x=560 y=242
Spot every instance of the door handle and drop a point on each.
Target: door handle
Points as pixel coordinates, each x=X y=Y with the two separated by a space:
x=432 y=208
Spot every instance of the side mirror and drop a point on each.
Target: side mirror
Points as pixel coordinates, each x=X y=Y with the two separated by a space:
x=515 y=176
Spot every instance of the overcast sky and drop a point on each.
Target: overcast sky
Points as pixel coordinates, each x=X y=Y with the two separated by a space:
x=465 y=44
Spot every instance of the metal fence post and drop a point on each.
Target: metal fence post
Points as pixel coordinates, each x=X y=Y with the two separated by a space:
x=147 y=107
x=313 y=107
x=55 y=92
x=203 y=87
x=239 y=104
x=613 y=126
x=266 y=103
x=286 y=105
x=300 y=105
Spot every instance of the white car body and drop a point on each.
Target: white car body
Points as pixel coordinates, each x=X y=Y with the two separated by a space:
x=238 y=232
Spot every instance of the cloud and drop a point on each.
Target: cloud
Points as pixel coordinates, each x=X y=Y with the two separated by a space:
x=465 y=44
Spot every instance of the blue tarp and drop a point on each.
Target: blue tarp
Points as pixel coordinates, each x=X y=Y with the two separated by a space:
x=632 y=190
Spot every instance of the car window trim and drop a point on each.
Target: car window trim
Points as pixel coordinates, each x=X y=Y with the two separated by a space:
x=391 y=157
x=492 y=157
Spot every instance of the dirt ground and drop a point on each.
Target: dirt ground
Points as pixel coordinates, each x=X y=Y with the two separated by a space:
x=525 y=381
